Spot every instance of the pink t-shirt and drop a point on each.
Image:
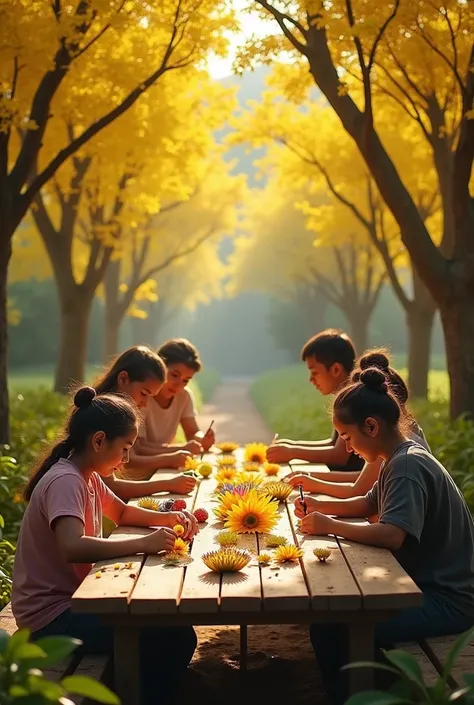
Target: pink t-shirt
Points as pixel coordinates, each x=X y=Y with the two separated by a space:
x=43 y=581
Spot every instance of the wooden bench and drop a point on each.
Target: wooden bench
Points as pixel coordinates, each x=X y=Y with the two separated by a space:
x=93 y=666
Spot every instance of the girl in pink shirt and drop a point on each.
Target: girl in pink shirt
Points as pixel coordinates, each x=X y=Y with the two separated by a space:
x=61 y=537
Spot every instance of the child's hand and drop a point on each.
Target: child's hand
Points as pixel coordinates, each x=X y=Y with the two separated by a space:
x=187 y=521
x=160 y=540
x=194 y=447
x=181 y=484
x=317 y=524
x=312 y=505
x=299 y=478
x=280 y=453
x=178 y=458
x=209 y=439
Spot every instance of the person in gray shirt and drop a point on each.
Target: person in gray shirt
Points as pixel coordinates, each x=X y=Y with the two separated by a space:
x=423 y=520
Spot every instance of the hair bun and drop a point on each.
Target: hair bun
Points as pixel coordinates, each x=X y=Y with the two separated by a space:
x=375 y=380
x=376 y=359
x=84 y=397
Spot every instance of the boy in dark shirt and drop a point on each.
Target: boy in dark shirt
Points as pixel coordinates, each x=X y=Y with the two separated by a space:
x=330 y=358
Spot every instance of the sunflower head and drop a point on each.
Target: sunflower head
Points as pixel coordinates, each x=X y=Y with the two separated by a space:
x=255 y=453
x=227 y=560
x=251 y=467
x=226 y=474
x=274 y=541
x=191 y=463
x=277 y=490
x=226 y=461
x=227 y=538
x=248 y=478
x=225 y=504
x=322 y=554
x=227 y=447
x=178 y=529
x=252 y=513
x=264 y=558
x=288 y=554
x=271 y=469
x=180 y=547
x=149 y=503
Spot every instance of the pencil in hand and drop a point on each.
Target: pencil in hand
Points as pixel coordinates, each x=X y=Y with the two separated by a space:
x=303 y=501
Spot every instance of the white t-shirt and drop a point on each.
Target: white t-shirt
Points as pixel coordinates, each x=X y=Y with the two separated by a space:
x=160 y=424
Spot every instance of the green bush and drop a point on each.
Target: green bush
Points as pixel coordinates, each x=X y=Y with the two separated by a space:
x=207 y=381
x=292 y=408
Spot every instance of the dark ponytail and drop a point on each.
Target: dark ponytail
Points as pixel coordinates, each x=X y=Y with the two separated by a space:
x=139 y=362
x=112 y=414
x=369 y=396
x=378 y=357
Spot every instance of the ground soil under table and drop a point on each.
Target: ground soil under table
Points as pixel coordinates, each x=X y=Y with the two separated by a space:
x=281 y=664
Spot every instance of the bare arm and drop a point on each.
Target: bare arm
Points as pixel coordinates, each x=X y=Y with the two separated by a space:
x=306 y=444
x=382 y=535
x=328 y=455
x=353 y=507
x=341 y=490
x=131 y=489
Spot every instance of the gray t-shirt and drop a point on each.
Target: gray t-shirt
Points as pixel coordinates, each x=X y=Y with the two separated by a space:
x=416 y=493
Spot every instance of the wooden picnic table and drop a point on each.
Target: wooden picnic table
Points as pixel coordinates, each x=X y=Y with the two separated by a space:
x=358 y=586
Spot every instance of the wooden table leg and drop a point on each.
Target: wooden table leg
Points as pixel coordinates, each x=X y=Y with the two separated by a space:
x=127 y=664
x=361 y=648
x=243 y=647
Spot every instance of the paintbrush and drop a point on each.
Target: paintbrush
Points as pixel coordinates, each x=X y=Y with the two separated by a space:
x=275 y=438
x=210 y=426
x=303 y=501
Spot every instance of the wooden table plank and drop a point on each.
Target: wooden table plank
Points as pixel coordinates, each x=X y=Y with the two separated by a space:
x=283 y=588
x=242 y=591
x=158 y=587
x=381 y=579
x=201 y=587
x=331 y=584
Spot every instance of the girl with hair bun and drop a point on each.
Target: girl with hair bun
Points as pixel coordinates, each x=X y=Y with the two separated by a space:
x=423 y=520
x=140 y=373
x=61 y=537
x=344 y=485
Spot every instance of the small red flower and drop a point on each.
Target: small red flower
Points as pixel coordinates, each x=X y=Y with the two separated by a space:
x=201 y=515
x=178 y=505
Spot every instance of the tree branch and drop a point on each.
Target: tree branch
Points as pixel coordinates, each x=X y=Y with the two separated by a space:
x=281 y=18
x=380 y=34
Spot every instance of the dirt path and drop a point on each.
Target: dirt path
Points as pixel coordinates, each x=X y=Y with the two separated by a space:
x=281 y=664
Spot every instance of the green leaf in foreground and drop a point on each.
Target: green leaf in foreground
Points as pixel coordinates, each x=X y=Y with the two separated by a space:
x=88 y=688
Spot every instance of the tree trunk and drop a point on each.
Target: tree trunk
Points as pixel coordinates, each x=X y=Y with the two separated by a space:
x=359 y=326
x=70 y=370
x=112 y=316
x=420 y=329
x=458 y=327
x=5 y=254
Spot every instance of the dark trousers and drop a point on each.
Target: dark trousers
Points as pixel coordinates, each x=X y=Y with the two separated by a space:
x=165 y=653
x=331 y=644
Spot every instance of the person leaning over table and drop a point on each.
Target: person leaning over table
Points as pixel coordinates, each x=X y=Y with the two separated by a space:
x=344 y=485
x=423 y=520
x=171 y=407
x=61 y=538
x=330 y=358
x=140 y=373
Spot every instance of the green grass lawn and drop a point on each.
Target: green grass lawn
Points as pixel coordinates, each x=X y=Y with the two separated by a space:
x=294 y=409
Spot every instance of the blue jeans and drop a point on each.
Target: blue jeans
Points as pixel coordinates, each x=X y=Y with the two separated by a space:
x=331 y=644
x=165 y=653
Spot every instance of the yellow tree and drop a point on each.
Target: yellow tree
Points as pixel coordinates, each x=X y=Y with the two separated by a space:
x=47 y=48
x=329 y=160
x=116 y=183
x=278 y=254
x=349 y=38
x=175 y=234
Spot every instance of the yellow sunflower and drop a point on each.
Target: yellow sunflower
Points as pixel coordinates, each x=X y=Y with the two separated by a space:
x=227 y=538
x=251 y=514
x=226 y=502
x=226 y=474
x=242 y=478
x=227 y=560
x=255 y=453
x=271 y=469
x=288 y=554
x=180 y=547
x=277 y=490
x=226 y=461
x=149 y=503
x=227 y=446
x=191 y=463
x=251 y=467
x=322 y=554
